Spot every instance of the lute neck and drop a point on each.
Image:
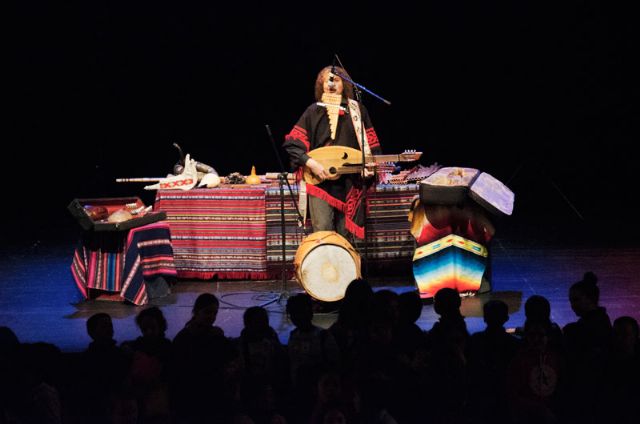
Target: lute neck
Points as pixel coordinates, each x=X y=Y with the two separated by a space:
x=383 y=158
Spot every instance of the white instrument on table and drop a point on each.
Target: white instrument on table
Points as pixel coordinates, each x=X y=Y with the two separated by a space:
x=184 y=181
x=325 y=264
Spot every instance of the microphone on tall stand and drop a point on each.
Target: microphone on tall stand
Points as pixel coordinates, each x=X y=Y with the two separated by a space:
x=331 y=76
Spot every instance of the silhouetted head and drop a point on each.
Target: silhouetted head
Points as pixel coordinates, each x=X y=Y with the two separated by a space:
x=100 y=327
x=626 y=335
x=358 y=289
x=151 y=322
x=447 y=302
x=410 y=306
x=496 y=313
x=386 y=305
x=300 y=309
x=585 y=294
x=256 y=320
x=356 y=304
x=205 y=309
x=537 y=308
x=9 y=342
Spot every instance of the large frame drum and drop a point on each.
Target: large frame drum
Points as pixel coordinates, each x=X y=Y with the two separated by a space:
x=325 y=264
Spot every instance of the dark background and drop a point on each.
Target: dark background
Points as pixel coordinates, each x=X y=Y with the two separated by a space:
x=538 y=94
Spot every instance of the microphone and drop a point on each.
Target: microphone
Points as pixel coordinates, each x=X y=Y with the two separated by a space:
x=331 y=76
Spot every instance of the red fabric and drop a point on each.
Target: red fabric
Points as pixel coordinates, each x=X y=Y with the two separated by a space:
x=470 y=223
x=214 y=213
x=372 y=138
x=218 y=232
x=354 y=197
x=241 y=275
x=349 y=208
x=121 y=262
x=354 y=228
x=301 y=134
x=321 y=194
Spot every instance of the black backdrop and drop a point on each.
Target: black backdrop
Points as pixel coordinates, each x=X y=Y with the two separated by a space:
x=536 y=93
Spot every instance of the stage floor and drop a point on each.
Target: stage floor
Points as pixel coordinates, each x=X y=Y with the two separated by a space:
x=40 y=302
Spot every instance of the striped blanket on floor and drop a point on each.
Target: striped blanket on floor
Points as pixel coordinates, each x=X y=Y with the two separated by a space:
x=121 y=262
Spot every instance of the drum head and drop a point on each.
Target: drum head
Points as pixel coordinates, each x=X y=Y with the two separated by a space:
x=326 y=271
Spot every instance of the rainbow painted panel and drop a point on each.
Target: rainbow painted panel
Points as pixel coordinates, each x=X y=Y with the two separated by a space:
x=452 y=262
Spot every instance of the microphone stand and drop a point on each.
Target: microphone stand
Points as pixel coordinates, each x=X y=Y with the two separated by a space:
x=282 y=179
x=357 y=89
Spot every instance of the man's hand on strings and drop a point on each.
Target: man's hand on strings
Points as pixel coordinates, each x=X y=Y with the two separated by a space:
x=317 y=169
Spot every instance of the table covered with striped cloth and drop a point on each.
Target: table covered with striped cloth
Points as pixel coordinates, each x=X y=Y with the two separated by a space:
x=235 y=231
x=122 y=262
x=388 y=227
x=217 y=232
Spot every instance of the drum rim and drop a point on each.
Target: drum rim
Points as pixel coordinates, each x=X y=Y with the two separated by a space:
x=353 y=254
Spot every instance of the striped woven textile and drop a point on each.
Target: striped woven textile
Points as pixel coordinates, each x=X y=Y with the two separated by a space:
x=120 y=262
x=219 y=232
x=453 y=262
x=235 y=231
x=389 y=239
x=388 y=228
x=98 y=261
x=293 y=232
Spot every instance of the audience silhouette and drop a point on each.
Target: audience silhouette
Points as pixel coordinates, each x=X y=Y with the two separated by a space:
x=202 y=357
x=490 y=352
x=373 y=365
x=538 y=309
x=150 y=364
x=588 y=343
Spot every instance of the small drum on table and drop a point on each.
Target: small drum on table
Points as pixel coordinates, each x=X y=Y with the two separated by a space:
x=325 y=264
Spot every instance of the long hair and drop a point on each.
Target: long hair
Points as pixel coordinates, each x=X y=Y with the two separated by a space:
x=323 y=74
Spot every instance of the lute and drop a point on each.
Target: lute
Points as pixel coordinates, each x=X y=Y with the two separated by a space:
x=340 y=160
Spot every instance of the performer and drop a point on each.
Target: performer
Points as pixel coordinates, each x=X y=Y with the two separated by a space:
x=334 y=120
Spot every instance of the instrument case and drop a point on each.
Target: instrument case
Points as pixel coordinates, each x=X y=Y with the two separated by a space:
x=77 y=207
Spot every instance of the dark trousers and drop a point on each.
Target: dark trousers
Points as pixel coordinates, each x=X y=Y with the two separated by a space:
x=325 y=217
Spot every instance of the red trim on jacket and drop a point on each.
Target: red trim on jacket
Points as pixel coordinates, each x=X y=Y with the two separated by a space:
x=372 y=138
x=353 y=228
x=299 y=133
x=321 y=194
x=352 y=201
